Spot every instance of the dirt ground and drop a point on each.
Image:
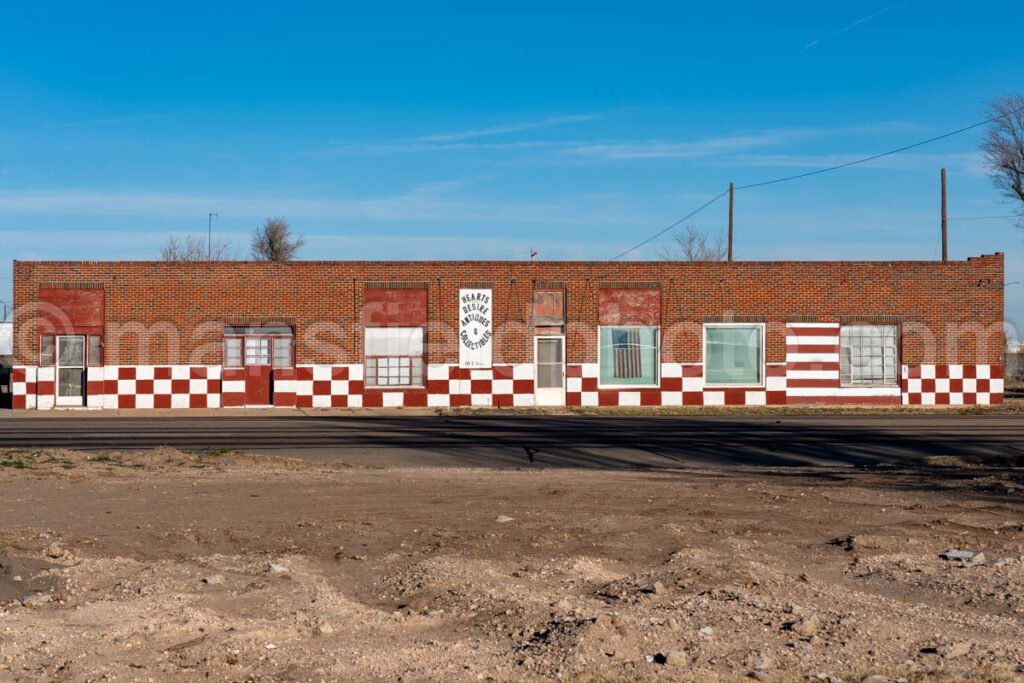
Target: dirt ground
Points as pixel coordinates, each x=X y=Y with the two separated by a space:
x=158 y=565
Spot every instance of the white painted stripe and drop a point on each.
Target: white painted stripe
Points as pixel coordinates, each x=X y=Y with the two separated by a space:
x=812 y=357
x=812 y=374
x=811 y=341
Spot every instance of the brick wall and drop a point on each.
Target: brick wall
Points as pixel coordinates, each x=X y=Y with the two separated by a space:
x=172 y=314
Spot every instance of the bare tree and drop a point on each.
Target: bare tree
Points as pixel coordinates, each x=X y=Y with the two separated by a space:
x=693 y=245
x=273 y=241
x=194 y=249
x=1003 y=148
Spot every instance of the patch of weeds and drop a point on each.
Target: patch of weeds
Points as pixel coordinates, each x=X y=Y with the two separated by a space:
x=18 y=459
x=105 y=457
x=213 y=452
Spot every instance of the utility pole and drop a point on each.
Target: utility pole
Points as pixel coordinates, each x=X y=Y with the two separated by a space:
x=731 y=192
x=209 y=236
x=945 y=255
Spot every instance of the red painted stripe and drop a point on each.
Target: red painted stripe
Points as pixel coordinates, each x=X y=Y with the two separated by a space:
x=843 y=400
x=812 y=348
x=813 y=383
x=812 y=332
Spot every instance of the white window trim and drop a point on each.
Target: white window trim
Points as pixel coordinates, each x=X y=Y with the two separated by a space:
x=657 y=362
x=395 y=387
x=704 y=357
x=899 y=352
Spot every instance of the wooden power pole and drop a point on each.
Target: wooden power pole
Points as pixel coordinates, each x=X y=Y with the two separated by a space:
x=945 y=254
x=731 y=188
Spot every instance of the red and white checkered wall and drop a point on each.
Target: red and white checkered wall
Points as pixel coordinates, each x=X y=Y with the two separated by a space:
x=810 y=375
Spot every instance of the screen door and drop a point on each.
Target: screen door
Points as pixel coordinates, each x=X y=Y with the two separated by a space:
x=550 y=371
x=70 y=370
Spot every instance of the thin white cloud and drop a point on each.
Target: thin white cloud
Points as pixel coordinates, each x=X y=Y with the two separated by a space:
x=665 y=149
x=851 y=26
x=437 y=202
x=509 y=128
x=552 y=150
x=115 y=120
x=968 y=162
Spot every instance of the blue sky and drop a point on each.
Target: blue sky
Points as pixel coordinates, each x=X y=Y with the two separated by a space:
x=468 y=130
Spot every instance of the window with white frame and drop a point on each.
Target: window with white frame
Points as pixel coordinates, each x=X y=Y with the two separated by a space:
x=394 y=356
x=255 y=345
x=734 y=354
x=868 y=355
x=628 y=356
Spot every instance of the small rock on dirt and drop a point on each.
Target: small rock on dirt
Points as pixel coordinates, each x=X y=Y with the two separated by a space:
x=33 y=601
x=706 y=632
x=763 y=663
x=955 y=554
x=275 y=568
x=955 y=650
x=54 y=551
x=213 y=579
x=503 y=519
x=807 y=626
x=677 y=658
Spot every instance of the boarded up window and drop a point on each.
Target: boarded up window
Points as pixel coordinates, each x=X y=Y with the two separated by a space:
x=549 y=307
x=629 y=307
x=70 y=310
x=395 y=307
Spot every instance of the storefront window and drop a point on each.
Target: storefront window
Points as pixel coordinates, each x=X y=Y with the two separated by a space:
x=628 y=356
x=734 y=354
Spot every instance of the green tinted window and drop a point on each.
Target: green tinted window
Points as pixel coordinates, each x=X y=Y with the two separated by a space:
x=733 y=354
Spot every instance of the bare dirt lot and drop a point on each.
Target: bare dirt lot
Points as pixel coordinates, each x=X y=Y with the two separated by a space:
x=160 y=564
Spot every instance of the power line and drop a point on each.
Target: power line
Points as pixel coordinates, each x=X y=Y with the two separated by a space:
x=681 y=220
x=819 y=171
x=873 y=157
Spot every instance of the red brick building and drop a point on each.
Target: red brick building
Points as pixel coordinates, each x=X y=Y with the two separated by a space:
x=368 y=334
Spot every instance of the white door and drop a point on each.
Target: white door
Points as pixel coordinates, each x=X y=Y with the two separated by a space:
x=549 y=353
x=70 y=371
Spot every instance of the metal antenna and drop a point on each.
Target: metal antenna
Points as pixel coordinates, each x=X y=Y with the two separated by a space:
x=209 y=236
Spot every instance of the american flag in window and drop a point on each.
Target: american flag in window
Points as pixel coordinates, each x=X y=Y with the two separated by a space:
x=626 y=354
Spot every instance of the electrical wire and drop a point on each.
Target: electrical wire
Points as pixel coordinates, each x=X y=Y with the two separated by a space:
x=820 y=171
x=681 y=220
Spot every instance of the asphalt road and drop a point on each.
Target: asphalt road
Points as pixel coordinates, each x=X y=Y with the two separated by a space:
x=547 y=440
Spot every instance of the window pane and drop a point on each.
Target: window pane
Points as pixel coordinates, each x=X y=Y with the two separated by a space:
x=867 y=354
x=71 y=351
x=95 y=351
x=549 y=376
x=46 y=350
x=394 y=341
x=233 y=352
x=69 y=382
x=628 y=355
x=549 y=350
x=733 y=355
x=394 y=356
x=282 y=352
x=257 y=351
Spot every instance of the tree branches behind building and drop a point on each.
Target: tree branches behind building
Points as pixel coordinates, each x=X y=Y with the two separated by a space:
x=273 y=241
x=692 y=244
x=190 y=248
x=1003 y=148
